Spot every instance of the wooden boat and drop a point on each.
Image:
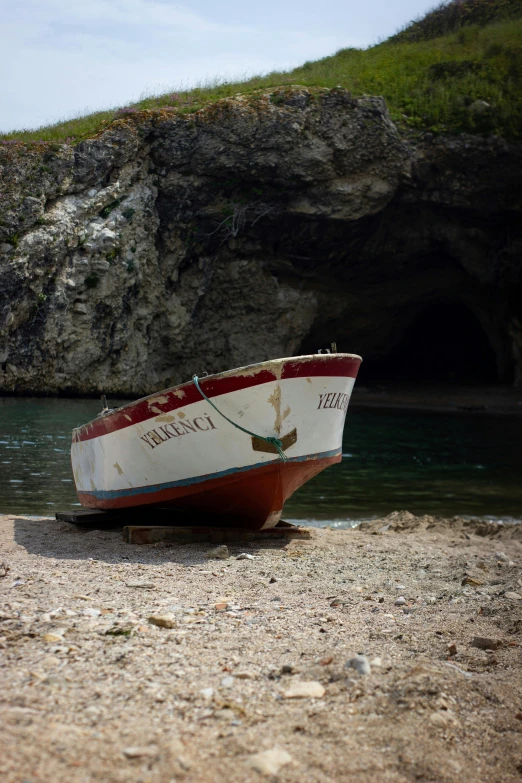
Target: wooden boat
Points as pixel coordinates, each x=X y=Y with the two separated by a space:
x=233 y=446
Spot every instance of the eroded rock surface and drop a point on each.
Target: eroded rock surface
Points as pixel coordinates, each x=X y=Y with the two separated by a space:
x=172 y=244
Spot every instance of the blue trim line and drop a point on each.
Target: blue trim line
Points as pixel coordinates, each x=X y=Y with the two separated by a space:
x=110 y=494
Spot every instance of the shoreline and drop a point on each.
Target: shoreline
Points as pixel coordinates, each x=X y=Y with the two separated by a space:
x=208 y=691
x=483 y=401
x=458 y=400
x=327 y=522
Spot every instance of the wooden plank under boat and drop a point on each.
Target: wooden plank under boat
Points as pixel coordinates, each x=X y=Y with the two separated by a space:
x=174 y=449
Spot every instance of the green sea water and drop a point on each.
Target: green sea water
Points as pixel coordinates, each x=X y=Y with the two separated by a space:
x=425 y=463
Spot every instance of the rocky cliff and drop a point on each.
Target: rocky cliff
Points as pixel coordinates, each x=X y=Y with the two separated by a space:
x=257 y=227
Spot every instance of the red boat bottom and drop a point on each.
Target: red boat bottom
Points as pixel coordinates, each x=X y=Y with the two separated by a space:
x=253 y=499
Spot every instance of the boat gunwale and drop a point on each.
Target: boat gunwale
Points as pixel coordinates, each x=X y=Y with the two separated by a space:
x=249 y=369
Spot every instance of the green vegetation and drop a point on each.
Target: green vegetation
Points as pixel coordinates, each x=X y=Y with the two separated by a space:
x=432 y=74
x=447 y=18
x=106 y=211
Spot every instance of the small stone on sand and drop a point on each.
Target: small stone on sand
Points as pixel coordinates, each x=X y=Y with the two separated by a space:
x=304 y=690
x=269 y=762
x=138 y=585
x=360 y=663
x=486 y=643
x=139 y=752
x=52 y=637
x=162 y=620
x=218 y=553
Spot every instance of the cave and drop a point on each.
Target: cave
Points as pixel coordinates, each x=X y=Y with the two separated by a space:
x=443 y=344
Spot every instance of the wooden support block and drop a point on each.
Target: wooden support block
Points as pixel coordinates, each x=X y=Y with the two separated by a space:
x=88 y=517
x=140 y=534
x=91 y=517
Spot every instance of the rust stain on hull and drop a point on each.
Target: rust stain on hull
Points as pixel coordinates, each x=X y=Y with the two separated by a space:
x=166 y=417
x=275 y=401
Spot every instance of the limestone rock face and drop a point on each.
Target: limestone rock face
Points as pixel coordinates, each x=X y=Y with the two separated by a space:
x=172 y=244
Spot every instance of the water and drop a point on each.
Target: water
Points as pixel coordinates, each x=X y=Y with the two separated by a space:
x=425 y=463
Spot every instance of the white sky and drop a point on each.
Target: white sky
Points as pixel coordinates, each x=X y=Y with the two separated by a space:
x=61 y=58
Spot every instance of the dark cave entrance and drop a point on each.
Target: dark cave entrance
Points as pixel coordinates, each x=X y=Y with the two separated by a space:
x=443 y=345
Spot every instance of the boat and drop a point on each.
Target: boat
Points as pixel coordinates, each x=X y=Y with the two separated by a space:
x=231 y=447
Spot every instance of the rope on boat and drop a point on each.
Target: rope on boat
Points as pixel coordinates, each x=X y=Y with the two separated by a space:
x=273 y=441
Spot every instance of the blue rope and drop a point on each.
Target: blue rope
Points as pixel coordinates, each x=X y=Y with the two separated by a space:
x=273 y=441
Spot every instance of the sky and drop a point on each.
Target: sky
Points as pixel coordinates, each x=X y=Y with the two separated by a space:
x=63 y=58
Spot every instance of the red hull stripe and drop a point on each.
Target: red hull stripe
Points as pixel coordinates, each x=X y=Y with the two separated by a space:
x=153 y=489
x=169 y=400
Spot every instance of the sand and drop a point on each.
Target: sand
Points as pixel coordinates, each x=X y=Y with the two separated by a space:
x=248 y=680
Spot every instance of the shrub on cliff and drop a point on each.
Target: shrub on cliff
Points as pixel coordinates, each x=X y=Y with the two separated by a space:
x=448 y=17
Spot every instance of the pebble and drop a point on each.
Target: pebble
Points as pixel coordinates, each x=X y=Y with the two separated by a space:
x=207 y=693
x=269 y=762
x=468 y=580
x=245 y=556
x=139 y=752
x=227 y=682
x=452 y=648
x=501 y=556
x=52 y=637
x=221 y=606
x=486 y=643
x=304 y=690
x=91 y=612
x=162 y=620
x=400 y=601
x=360 y=663
x=336 y=602
x=218 y=553
x=137 y=585
x=245 y=674
x=443 y=718
x=377 y=662
x=49 y=661
x=513 y=596
x=177 y=751
x=4 y=569
x=226 y=713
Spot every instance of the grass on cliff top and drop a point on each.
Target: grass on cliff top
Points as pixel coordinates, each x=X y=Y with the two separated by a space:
x=448 y=17
x=429 y=85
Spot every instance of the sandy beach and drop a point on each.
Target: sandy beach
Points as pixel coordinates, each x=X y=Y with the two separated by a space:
x=156 y=663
